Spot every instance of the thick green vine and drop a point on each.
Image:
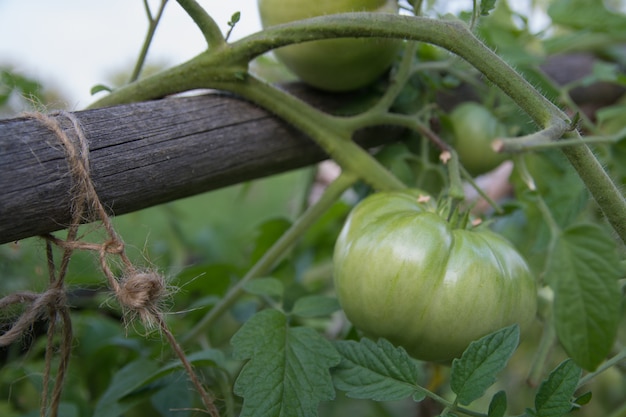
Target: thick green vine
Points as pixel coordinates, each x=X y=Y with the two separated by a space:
x=224 y=66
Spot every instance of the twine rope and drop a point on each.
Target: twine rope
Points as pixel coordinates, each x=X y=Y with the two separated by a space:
x=138 y=291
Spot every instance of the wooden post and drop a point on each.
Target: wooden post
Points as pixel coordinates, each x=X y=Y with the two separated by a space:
x=149 y=153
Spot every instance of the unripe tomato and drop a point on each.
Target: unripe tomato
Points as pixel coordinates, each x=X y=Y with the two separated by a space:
x=474 y=128
x=334 y=64
x=402 y=272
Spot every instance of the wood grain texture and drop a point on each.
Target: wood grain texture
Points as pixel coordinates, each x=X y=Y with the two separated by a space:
x=146 y=154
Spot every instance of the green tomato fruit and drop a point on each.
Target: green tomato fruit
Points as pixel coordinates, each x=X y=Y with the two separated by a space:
x=403 y=273
x=335 y=64
x=474 y=128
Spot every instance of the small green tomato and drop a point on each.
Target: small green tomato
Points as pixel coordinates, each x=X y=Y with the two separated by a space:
x=335 y=64
x=475 y=128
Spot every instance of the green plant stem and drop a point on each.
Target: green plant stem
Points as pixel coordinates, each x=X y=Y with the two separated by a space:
x=452 y=35
x=399 y=79
x=547 y=135
x=332 y=133
x=211 y=70
x=548 y=337
x=153 y=22
x=604 y=191
x=211 y=31
x=606 y=365
x=275 y=253
x=470 y=180
x=450 y=405
x=454 y=172
x=538 y=143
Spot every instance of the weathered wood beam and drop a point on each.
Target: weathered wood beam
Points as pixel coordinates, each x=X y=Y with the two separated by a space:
x=149 y=153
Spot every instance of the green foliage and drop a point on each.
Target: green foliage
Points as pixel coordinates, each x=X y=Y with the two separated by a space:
x=287 y=373
x=583 y=271
x=554 y=398
x=279 y=343
x=476 y=370
x=376 y=371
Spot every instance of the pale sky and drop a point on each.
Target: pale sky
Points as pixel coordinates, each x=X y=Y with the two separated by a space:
x=72 y=45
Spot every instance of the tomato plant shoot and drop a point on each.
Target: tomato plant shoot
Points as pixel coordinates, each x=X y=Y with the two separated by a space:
x=336 y=64
x=404 y=273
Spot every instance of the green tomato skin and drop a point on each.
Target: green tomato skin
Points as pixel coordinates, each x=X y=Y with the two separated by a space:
x=475 y=127
x=335 y=64
x=401 y=272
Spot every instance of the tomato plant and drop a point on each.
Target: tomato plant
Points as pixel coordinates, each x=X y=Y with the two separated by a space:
x=474 y=129
x=337 y=64
x=305 y=303
x=405 y=273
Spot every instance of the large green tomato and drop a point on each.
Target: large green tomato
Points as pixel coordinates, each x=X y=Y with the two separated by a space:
x=403 y=273
x=335 y=64
x=474 y=128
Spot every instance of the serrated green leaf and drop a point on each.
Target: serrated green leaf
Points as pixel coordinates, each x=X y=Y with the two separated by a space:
x=583 y=271
x=476 y=369
x=497 y=406
x=315 y=306
x=271 y=287
x=287 y=372
x=554 y=397
x=376 y=371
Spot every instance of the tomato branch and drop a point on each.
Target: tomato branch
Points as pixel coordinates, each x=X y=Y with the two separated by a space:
x=226 y=68
x=332 y=133
x=211 y=31
x=153 y=22
x=621 y=356
x=536 y=142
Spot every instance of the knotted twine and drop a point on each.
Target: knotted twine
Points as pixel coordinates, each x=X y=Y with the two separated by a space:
x=139 y=292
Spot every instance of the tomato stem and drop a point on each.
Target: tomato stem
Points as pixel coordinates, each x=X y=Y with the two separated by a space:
x=548 y=338
x=528 y=143
x=225 y=65
x=332 y=133
x=211 y=31
x=609 y=363
x=153 y=22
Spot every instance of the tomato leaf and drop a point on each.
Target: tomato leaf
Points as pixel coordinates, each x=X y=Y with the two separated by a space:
x=583 y=271
x=315 y=306
x=376 y=371
x=497 y=406
x=476 y=370
x=287 y=372
x=554 y=397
